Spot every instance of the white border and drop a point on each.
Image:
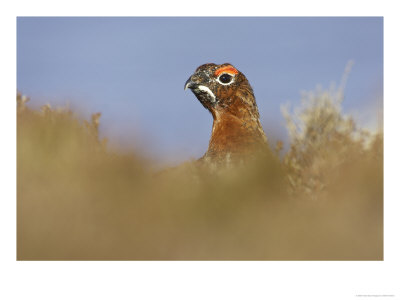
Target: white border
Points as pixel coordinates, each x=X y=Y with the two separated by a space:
x=198 y=280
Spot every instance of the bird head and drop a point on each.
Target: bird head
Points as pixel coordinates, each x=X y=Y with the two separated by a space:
x=226 y=93
x=217 y=87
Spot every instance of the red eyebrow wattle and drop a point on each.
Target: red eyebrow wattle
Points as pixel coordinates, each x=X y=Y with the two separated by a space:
x=227 y=69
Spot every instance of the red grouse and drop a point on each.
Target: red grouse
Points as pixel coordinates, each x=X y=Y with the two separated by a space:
x=226 y=93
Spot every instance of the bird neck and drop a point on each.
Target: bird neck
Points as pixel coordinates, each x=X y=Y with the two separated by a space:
x=236 y=130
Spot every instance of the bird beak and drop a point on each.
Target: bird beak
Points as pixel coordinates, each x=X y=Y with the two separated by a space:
x=189 y=84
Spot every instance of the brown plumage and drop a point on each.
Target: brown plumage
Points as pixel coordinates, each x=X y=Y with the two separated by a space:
x=226 y=93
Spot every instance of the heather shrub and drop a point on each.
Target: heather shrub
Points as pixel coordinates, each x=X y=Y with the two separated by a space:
x=323 y=140
x=77 y=199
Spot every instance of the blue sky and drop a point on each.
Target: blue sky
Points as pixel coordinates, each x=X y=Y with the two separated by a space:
x=132 y=70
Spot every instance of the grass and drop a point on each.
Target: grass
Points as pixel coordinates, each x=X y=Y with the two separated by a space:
x=322 y=200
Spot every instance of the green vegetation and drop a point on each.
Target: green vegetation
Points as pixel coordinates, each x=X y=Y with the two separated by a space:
x=323 y=200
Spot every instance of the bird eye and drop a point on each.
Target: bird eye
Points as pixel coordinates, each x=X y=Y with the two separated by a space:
x=225 y=78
